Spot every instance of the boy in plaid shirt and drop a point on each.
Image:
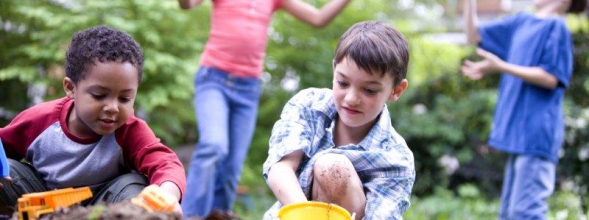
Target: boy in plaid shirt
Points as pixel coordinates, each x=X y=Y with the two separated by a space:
x=338 y=145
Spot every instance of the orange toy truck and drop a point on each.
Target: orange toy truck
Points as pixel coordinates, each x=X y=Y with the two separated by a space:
x=153 y=198
x=34 y=205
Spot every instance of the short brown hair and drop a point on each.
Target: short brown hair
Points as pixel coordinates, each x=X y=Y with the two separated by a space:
x=376 y=48
x=577 y=6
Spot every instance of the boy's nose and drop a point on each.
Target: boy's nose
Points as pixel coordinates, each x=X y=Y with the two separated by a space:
x=112 y=106
x=352 y=98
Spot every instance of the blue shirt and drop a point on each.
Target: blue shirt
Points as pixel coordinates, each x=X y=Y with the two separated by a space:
x=382 y=159
x=529 y=119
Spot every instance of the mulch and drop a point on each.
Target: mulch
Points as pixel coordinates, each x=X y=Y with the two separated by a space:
x=123 y=211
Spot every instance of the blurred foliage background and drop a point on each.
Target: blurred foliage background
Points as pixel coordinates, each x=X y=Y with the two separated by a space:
x=444 y=117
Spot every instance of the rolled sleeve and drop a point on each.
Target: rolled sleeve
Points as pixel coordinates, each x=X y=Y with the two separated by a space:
x=290 y=133
x=556 y=57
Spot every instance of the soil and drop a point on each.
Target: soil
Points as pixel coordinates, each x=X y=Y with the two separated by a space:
x=123 y=211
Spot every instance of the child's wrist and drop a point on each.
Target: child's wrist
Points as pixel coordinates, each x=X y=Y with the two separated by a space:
x=172 y=189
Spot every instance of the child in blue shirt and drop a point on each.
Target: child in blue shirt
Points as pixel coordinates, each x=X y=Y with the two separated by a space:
x=534 y=53
x=338 y=145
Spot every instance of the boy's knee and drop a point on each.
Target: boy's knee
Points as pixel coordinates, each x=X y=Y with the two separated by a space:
x=25 y=179
x=333 y=172
x=122 y=188
x=16 y=165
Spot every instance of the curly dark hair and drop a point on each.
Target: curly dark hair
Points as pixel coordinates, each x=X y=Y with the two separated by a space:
x=100 y=44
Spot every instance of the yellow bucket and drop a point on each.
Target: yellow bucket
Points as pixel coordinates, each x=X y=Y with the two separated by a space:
x=313 y=210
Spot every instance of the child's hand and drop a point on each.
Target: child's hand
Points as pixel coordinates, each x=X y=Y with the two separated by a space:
x=493 y=61
x=159 y=198
x=477 y=70
x=178 y=208
x=7 y=178
x=174 y=191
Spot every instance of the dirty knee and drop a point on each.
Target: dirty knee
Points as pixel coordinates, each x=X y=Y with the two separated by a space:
x=332 y=172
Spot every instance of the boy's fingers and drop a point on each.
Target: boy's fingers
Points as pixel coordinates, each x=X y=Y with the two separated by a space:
x=178 y=208
x=468 y=63
x=466 y=71
x=481 y=52
x=485 y=54
x=474 y=76
x=471 y=66
x=7 y=178
x=470 y=73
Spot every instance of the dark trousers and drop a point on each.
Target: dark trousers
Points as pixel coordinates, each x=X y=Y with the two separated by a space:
x=25 y=179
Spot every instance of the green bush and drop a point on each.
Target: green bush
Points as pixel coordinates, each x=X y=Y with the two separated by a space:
x=574 y=163
x=445 y=205
x=35 y=35
x=468 y=202
x=444 y=117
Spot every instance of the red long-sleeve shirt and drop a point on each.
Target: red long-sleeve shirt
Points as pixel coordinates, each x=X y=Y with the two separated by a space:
x=41 y=136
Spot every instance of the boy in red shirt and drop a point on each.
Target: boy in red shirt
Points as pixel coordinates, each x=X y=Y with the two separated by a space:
x=91 y=137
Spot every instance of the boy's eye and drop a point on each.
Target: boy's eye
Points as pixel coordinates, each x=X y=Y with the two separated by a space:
x=370 y=91
x=97 y=96
x=342 y=84
x=124 y=100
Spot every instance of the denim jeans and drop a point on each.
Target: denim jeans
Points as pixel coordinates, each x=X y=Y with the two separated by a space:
x=226 y=109
x=528 y=182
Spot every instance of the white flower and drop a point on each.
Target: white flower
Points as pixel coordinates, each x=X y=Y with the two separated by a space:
x=449 y=163
x=562 y=214
x=583 y=154
x=419 y=109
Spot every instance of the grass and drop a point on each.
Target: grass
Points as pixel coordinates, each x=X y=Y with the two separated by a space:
x=254 y=205
x=466 y=204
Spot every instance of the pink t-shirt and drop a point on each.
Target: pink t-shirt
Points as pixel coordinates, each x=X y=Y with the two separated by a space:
x=238 y=38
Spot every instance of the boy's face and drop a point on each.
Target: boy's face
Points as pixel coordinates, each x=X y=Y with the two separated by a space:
x=359 y=96
x=103 y=100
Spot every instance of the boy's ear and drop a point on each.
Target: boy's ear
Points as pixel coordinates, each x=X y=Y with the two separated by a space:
x=398 y=90
x=69 y=86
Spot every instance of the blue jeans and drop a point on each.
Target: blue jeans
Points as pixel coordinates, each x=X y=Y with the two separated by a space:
x=226 y=109
x=528 y=182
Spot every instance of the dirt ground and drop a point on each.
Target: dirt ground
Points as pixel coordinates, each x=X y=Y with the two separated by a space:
x=123 y=211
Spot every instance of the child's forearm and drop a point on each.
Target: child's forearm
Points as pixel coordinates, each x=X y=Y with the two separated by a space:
x=470 y=19
x=312 y=15
x=285 y=185
x=330 y=10
x=533 y=75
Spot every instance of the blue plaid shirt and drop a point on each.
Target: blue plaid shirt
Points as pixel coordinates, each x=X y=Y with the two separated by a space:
x=382 y=159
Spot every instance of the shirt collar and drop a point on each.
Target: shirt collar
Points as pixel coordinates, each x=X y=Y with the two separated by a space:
x=378 y=134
